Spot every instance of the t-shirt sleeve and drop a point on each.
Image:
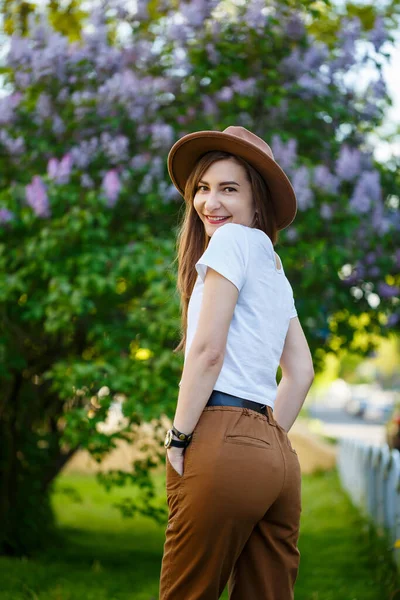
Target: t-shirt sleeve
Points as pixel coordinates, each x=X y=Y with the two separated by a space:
x=293 y=311
x=226 y=253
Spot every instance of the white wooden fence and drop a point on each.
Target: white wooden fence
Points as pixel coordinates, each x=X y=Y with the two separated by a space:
x=371 y=476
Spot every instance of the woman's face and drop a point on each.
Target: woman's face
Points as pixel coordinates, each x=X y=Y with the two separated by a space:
x=223 y=191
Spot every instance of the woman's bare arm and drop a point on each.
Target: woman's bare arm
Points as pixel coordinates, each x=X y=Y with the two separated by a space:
x=297 y=375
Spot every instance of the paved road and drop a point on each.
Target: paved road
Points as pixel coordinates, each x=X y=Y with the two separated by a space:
x=337 y=423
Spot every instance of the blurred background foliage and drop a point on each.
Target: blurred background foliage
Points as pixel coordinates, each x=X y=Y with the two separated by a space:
x=92 y=101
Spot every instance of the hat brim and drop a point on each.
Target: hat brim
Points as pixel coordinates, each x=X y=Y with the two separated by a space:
x=185 y=153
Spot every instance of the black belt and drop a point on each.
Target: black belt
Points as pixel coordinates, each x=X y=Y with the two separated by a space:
x=218 y=398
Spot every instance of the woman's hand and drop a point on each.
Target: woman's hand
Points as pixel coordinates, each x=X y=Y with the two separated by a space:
x=175 y=457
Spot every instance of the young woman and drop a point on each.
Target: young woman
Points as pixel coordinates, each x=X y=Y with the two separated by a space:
x=233 y=479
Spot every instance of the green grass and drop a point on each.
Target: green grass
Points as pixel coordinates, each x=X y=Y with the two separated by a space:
x=105 y=557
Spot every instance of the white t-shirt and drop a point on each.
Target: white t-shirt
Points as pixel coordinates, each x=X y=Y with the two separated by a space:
x=261 y=317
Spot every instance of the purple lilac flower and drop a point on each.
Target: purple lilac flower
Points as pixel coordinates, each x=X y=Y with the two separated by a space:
x=244 y=119
x=293 y=63
x=39 y=31
x=153 y=175
x=60 y=171
x=105 y=57
x=315 y=56
x=19 y=54
x=388 y=291
x=312 y=86
x=397 y=257
x=146 y=184
x=36 y=197
x=285 y=154
x=301 y=184
x=121 y=88
x=86 y=181
x=6 y=215
x=380 y=220
x=378 y=35
x=254 y=15
x=50 y=60
x=140 y=160
x=243 y=86
x=63 y=95
x=112 y=186
x=324 y=180
x=175 y=30
x=371 y=110
x=377 y=89
x=52 y=168
x=348 y=35
x=58 y=125
x=197 y=11
x=115 y=148
x=142 y=53
x=367 y=161
x=43 y=107
x=326 y=211
x=280 y=110
x=143 y=131
x=141 y=10
x=295 y=27
x=292 y=234
x=212 y=54
x=392 y=320
x=367 y=192
x=172 y=194
x=162 y=135
x=85 y=152
x=209 y=106
x=370 y=258
x=374 y=271
x=6 y=111
x=225 y=94
x=348 y=165
x=156 y=169
x=108 y=60
x=64 y=168
x=14 y=146
x=215 y=27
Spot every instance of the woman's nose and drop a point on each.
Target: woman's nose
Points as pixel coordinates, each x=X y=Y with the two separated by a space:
x=212 y=202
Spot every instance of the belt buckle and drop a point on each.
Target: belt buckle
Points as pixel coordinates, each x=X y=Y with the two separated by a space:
x=263 y=408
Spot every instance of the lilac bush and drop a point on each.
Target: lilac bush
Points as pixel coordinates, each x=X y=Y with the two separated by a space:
x=87 y=209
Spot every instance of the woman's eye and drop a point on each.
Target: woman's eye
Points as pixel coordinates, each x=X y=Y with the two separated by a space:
x=225 y=188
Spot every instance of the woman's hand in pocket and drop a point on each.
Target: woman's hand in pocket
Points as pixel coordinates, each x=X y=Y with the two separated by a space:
x=175 y=457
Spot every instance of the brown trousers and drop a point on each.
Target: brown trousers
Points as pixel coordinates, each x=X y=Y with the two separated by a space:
x=234 y=514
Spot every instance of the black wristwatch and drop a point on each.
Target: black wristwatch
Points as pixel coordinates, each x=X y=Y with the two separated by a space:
x=184 y=438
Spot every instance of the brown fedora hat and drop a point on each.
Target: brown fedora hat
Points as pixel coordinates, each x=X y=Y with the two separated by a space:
x=240 y=141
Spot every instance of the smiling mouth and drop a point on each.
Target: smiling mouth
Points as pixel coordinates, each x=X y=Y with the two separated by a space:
x=213 y=221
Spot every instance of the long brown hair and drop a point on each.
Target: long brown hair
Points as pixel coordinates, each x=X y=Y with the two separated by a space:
x=192 y=239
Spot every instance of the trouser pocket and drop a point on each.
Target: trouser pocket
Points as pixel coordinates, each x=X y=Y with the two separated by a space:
x=248 y=430
x=288 y=442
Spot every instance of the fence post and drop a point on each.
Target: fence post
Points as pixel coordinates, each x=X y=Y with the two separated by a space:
x=371 y=477
x=381 y=475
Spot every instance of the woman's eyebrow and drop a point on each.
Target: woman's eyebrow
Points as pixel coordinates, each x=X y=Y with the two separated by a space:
x=223 y=183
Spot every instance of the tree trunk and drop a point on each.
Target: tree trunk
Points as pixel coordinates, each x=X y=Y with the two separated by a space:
x=26 y=474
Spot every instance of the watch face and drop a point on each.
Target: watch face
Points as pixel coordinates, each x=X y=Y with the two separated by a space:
x=168 y=438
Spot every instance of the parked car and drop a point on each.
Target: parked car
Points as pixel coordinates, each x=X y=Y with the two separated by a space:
x=356 y=406
x=393 y=427
x=359 y=395
x=379 y=406
x=370 y=402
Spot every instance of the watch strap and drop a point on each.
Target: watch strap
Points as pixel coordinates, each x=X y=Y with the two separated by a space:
x=185 y=437
x=178 y=444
